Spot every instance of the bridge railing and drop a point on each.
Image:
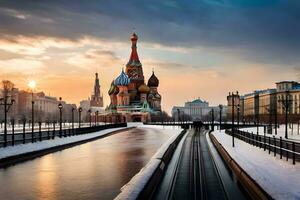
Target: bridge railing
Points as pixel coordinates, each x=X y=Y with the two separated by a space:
x=50 y=134
x=276 y=146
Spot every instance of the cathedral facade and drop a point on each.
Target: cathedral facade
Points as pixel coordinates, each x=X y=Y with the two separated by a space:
x=130 y=95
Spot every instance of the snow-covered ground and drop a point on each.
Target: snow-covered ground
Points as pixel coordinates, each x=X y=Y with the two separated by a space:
x=292 y=133
x=133 y=188
x=279 y=178
x=46 y=144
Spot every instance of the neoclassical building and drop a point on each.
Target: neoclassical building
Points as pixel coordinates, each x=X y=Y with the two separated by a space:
x=130 y=95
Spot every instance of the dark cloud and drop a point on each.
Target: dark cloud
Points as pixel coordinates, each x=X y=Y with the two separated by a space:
x=260 y=30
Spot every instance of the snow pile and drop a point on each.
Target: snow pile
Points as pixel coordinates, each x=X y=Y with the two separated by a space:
x=279 y=178
x=46 y=144
x=133 y=188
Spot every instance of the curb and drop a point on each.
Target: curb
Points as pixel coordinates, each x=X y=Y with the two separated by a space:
x=156 y=177
x=254 y=190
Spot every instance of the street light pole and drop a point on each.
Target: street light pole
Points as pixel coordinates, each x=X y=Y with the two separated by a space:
x=286 y=114
x=212 y=120
x=79 y=116
x=97 y=112
x=32 y=117
x=60 y=107
x=220 y=109
x=7 y=106
x=73 y=118
x=178 y=114
x=90 y=115
x=238 y=116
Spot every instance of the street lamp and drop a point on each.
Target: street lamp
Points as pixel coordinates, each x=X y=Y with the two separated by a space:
x=212 y=120
x=32 y=85
x=238 y=116
x=220 y=109
x=90 y=115
x=232 y=115
x=79 y=116
x=73 y=119
x=60 y=107
x=97 y=112
x=7 y=87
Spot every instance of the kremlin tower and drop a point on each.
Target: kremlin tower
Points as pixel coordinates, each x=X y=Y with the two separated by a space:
x=96 y=98
x=130 y=96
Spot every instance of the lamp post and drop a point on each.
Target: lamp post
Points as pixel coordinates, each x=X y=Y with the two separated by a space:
x=79 y=117
x=73 y=119
x=7 y=87
x=178 y=114
x=90 y=115
x=32 y=85
x=238 y=116
x=232 y=118
x=60 y=107
x=212 y=120
x=220 y=109
x=232 y=115
x=97 y=112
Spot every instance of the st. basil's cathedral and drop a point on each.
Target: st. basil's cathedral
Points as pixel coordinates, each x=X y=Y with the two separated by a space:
x=130 y=96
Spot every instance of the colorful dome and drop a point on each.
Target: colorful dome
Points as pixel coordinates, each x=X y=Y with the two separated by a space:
x=153 y=81
x=122 y=79
x=113 y=89
x=144 y=89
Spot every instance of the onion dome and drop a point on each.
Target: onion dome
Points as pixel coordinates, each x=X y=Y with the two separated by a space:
x=113 y=89
x=144 y=89
x=153 y=81
x=122 y=79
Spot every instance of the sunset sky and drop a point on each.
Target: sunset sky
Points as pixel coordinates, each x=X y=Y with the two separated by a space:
x=198 y=48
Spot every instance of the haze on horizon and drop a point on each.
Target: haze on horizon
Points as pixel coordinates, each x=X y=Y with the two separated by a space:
x=198 y=48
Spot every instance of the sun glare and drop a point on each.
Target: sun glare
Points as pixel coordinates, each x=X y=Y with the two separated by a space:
x=31 y=84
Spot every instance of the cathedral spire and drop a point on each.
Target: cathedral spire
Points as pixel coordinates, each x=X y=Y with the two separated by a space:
x=97 y=86
x=134 y=58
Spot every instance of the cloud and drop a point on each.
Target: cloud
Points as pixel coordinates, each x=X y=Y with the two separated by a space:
x=262 y=31
x=94 y=57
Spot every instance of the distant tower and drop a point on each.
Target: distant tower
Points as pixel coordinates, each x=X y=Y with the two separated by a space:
x=96 y=98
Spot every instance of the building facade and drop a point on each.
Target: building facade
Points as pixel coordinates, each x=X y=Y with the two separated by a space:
x=268 y=106
x=45 y=107
x=196 y=110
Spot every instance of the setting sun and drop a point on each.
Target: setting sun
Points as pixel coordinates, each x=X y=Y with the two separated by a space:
x=32 y=84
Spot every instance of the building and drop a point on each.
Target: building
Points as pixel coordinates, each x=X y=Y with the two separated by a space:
x=96 y=98
x=268 y=106
x=45 y=107
x=196 y=110
x=130 y=97
x=233 y=98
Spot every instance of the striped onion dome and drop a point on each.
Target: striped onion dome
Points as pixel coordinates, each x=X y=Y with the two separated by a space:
x=113 y=89
x=122 y=79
